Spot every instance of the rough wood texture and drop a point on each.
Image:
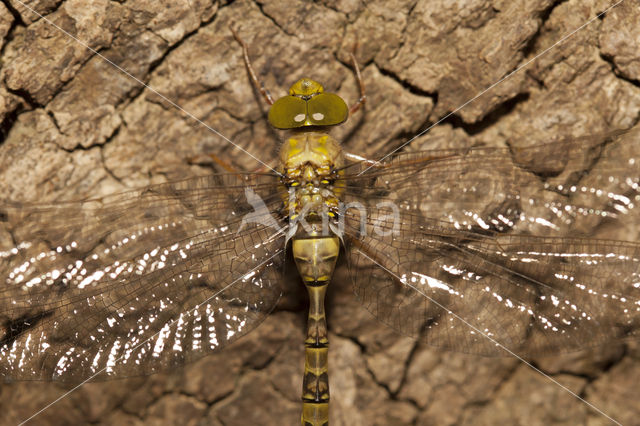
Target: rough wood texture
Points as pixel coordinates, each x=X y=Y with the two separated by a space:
x=74 y=126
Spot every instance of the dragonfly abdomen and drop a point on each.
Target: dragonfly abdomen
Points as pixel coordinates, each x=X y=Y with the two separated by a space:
x=315 y=258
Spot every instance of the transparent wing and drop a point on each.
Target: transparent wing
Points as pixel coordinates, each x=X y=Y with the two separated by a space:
x=568 y=186
x=459 y=245
x=137 y=282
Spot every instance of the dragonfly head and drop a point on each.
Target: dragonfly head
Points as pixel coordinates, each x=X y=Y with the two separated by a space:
x=307 y=105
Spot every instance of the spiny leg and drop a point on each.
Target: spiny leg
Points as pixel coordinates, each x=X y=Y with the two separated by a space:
x=363 y=97
x=252 y=73
x=260 y=87
x=257 y=83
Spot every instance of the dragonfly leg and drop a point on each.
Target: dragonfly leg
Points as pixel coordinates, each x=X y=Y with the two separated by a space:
x=252 y=73
x=363 y=97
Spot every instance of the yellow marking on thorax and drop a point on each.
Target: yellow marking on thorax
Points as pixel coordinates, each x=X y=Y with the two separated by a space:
x=309 y=161
x=314 y=148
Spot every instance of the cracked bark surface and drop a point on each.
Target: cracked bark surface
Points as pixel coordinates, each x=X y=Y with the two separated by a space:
x=74 y=126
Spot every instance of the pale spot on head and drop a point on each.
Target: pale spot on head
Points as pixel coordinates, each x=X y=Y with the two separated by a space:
x=318 y=116
x=299 y=118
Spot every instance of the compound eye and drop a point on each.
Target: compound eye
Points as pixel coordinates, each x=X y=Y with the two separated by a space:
x=327 y=109
x=288 y=112
x=313 y=109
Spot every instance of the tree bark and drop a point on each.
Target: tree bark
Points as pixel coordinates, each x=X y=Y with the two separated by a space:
x=74 y=126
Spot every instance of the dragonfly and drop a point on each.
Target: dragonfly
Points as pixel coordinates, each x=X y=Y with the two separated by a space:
x=464 y=249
